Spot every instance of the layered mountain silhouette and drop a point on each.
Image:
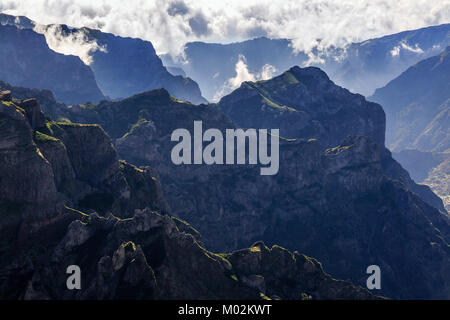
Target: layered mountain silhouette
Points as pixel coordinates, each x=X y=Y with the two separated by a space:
x=90 y=182
x=119 y=73
x=124 y=240
x=360 y=67
x=348 y=203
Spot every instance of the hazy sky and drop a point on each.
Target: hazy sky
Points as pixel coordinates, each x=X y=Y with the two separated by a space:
x=169 y=24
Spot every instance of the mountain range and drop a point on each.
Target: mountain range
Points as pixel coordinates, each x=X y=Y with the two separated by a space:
x=135 y=251
x=322 y=186
x=90 y=182
x=360 y=67
x=111 y=69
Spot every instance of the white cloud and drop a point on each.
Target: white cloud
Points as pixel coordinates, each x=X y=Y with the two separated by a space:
x=76 y=43
x=169 y=24
x=242 y=75
x=395 y=52
x=267 y=72
x=415 y=49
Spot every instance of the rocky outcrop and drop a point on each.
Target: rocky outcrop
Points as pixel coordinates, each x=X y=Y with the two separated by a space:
x=148 y=257
x=277 y=272
x=51 y=108
x=21 y=160
x=67 y=76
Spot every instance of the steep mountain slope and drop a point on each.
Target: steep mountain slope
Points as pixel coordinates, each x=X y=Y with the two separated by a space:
x=439 y=180
x=413 y=99
x=429 y=168
x=122 y=66
x=49 y=168
x=304 y=103
x=360 y=67
x=67 y=76
x=373 y=63
x=337 y=202
x=436 y=136
x=417 y=106
x=123 y=72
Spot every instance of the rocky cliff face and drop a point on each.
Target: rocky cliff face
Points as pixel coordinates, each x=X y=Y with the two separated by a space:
x=66 y=199
x=55 y=110
x=349 y=204
x=67 y=76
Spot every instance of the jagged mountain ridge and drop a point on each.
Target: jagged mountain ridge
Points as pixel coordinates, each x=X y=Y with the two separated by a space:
x=307 y=205
x=304 y=103
x=146 y=255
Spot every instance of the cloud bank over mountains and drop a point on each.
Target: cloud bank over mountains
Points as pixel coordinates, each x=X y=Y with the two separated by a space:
x=170 y=24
